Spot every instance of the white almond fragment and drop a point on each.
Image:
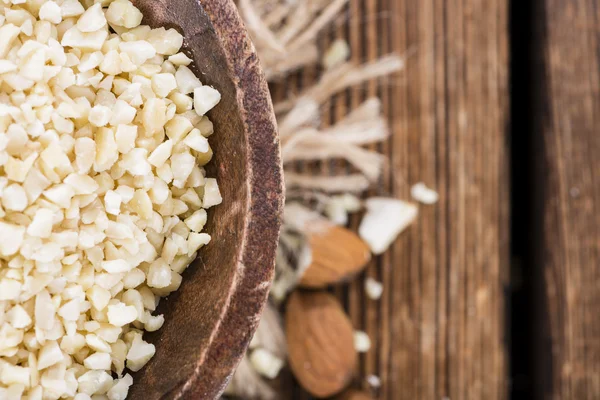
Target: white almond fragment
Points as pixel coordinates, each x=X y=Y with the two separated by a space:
x=373 y=288
x=10 y=375
x=120 y=389
x=94 y=381
x=186 y=80
x=14 y=198
x=134 y=278
x=159 y=274
x=196 y=241
x=112 y=202
x=7 y=66
x=125 y=137
x=139 y=51
x=122 y=113
x=212 y=195
x=385 y=219
x=10 y=289
x=81 y=184
x=41 y=225
x=90 y=61
x=85 y=153
x=136 y=162
x=178 y=127
x=154 y=323
x=106 y=150
x=90 y=41
x=96 y=343
x=121 y=314
x=139 y=354
x=123 y=13
x=98 y=297
x=100 y=115
x=8 y=33
x=205 y=98
x=49 y=355
x=163 y=84
x=154 y=115
x=421 y=193
x=116 y=266
x=60 y=195
x=180 y=59
x=265 y=363
x=98 y=361
x=165 y=41
x=362 y=342
x=50 y=11
x=71 y=8
x=374 y=381
x=12 y=238
x=161 y=154
x=92 y=19
x=197 y=220
x=18 y=317
x=141 y=204
x=196 y=141
x=70 y=311
x=182 y=165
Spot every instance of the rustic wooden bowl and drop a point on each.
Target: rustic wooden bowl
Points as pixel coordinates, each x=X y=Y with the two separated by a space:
x=211 y=318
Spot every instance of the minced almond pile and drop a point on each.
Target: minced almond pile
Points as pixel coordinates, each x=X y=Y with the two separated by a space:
x=103 y=194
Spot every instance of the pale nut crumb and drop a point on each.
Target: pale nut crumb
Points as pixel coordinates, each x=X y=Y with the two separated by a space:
x=423 y=194
x=374 y=381
x=385 y=219
x=265 y=363
x=373 y=288
x=205 y=98
x=362 y=342
x=186 y=80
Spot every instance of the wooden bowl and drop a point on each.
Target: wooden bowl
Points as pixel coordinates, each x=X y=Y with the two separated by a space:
x=211 y=318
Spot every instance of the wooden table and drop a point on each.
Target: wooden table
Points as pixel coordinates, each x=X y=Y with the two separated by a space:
x=445 y=327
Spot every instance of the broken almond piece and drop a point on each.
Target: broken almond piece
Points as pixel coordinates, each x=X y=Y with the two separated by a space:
x=385 y=219
x=337 y=253
x=320 y=341
x=421 y=193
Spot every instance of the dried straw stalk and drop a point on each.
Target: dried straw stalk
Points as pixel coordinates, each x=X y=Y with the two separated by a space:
x=285 y=33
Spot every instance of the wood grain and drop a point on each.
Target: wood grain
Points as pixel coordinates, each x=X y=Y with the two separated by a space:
x=567 y=105
x=438 y=330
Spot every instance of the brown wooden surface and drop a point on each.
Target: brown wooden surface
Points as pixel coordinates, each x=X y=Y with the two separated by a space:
x=567 y=149
x=438 y=331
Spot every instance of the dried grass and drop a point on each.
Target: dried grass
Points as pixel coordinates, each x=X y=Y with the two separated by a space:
x=285 y=33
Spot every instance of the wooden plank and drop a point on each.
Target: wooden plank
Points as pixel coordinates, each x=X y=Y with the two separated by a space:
x=438 y=331
x=448 y=272
x=567 y=144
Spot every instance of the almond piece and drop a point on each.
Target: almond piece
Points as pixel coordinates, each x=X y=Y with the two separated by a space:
x=337 y=255
x=320 y=343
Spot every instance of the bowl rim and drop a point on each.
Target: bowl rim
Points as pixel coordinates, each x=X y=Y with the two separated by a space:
x=264 y=207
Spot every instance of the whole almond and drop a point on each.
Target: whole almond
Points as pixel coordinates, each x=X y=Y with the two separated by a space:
x=337 y=255
x=354 y=395
x=320 y=342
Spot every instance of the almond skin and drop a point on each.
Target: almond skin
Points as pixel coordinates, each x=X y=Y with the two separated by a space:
x=320 y=343
x=337 y=255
